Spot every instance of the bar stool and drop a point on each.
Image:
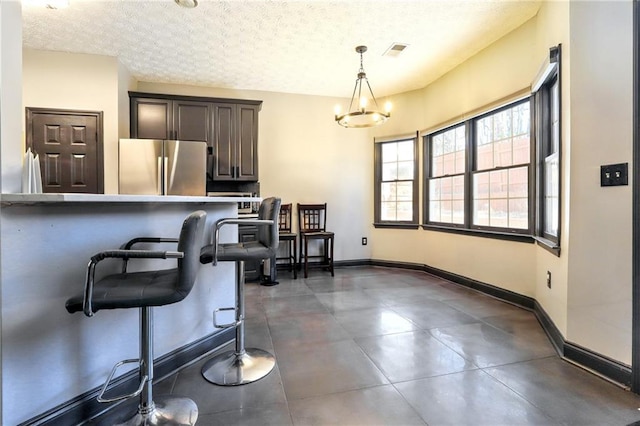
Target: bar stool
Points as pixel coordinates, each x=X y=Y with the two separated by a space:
x=242 y=365
x=312 y=224
x=291 y=238
x=144 y=290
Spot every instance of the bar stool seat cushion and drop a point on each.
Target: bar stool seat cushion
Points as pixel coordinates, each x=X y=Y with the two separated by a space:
x=132 y=290
x=251 y=250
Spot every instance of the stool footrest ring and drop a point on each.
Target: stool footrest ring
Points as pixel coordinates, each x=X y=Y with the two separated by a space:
x=143 y=380
x=227 y=325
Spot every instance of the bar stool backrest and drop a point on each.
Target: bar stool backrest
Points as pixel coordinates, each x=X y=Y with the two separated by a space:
x=312 y=217
x=190 y=242
x=269 y=209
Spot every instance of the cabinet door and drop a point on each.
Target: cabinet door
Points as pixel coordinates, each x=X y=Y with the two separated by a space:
x=151 y=118
x=192 y=121
x=224 y=137
x=247 y=143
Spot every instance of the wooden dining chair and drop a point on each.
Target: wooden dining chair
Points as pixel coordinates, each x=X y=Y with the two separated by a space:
x=312 y=225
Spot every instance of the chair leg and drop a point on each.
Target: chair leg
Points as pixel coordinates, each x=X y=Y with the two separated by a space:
x=165 y=410
x=331 y=255
x=242 y=365
x=292 y=249
x=306 y=257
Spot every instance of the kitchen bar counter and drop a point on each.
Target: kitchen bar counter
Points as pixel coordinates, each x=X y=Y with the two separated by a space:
x=49 y=356
x=9 y=199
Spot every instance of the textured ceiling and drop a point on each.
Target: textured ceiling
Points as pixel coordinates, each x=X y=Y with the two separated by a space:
x=283 y=46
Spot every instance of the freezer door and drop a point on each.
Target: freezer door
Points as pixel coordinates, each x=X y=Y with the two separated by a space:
x=140 y=166
x=186 y=170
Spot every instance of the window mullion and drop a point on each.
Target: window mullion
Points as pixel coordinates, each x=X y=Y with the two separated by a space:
x=470 y=165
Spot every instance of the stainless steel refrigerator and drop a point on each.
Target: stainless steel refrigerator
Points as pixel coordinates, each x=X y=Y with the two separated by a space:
x=162 y=167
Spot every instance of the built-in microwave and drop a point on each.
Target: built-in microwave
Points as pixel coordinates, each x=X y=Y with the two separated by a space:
x=244 y=207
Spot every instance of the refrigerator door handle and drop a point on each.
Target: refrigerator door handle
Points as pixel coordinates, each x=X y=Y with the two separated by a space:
x=165 y=183
x=159 y=180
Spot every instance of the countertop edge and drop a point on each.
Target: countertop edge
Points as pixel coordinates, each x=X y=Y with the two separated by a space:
x=10 y=199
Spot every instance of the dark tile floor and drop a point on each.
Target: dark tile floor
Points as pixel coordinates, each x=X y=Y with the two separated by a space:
x=383 y=346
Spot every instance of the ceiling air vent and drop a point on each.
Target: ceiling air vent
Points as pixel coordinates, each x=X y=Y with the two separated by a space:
x=395 y=50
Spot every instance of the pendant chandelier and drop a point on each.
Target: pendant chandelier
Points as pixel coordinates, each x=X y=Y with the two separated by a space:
x=358 y=115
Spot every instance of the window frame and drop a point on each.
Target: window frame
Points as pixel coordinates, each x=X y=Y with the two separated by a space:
x=428 y=177
x=514 y=234
x=414 y=222
x=541 y=89
x=473 y=170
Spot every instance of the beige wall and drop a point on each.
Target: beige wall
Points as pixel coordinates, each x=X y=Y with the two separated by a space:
x=552 y=29
x=11 y=135
x=126 y=82
x=506 y=67
x=81 y=82
x=599 y=291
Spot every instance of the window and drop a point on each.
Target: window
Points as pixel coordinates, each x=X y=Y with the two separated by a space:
x=546 y=92
x=478 y=172
x=501 y=175
x=396 y=175
x=446 y=182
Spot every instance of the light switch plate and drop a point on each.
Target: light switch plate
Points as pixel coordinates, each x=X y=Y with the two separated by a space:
x=614 y=174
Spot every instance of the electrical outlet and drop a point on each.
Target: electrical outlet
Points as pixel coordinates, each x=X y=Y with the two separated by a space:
x=364 y=241
x=549 y=279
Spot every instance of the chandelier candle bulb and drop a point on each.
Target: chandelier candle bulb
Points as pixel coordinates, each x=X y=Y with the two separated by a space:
x=363 y=104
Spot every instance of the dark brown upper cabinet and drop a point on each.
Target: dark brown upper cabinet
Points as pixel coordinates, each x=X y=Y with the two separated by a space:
x=170 y=119
x=235 y=142
x=229 y=126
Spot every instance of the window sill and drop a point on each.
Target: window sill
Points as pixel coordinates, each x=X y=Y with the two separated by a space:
x=520 y=238
x=396 y=225
x=548 y=245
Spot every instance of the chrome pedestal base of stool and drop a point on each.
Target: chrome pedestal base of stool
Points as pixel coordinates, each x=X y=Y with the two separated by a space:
x=167 y=411
x=242 y=365
x=232 y=369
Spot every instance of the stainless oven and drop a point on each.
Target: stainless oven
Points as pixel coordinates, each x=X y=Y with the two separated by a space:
x=244 y=207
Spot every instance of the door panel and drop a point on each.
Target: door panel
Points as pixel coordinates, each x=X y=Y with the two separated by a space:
x=186 y=162
x=247 y=147
x=223 y=140
x=151 y=119
x=192 y=121
x=51 y=170
x=69 y=145
x=140 y=166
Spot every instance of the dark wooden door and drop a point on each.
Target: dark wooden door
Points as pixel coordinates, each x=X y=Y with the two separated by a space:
x=70 y=147
x=151 y=119
x=247 y=143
